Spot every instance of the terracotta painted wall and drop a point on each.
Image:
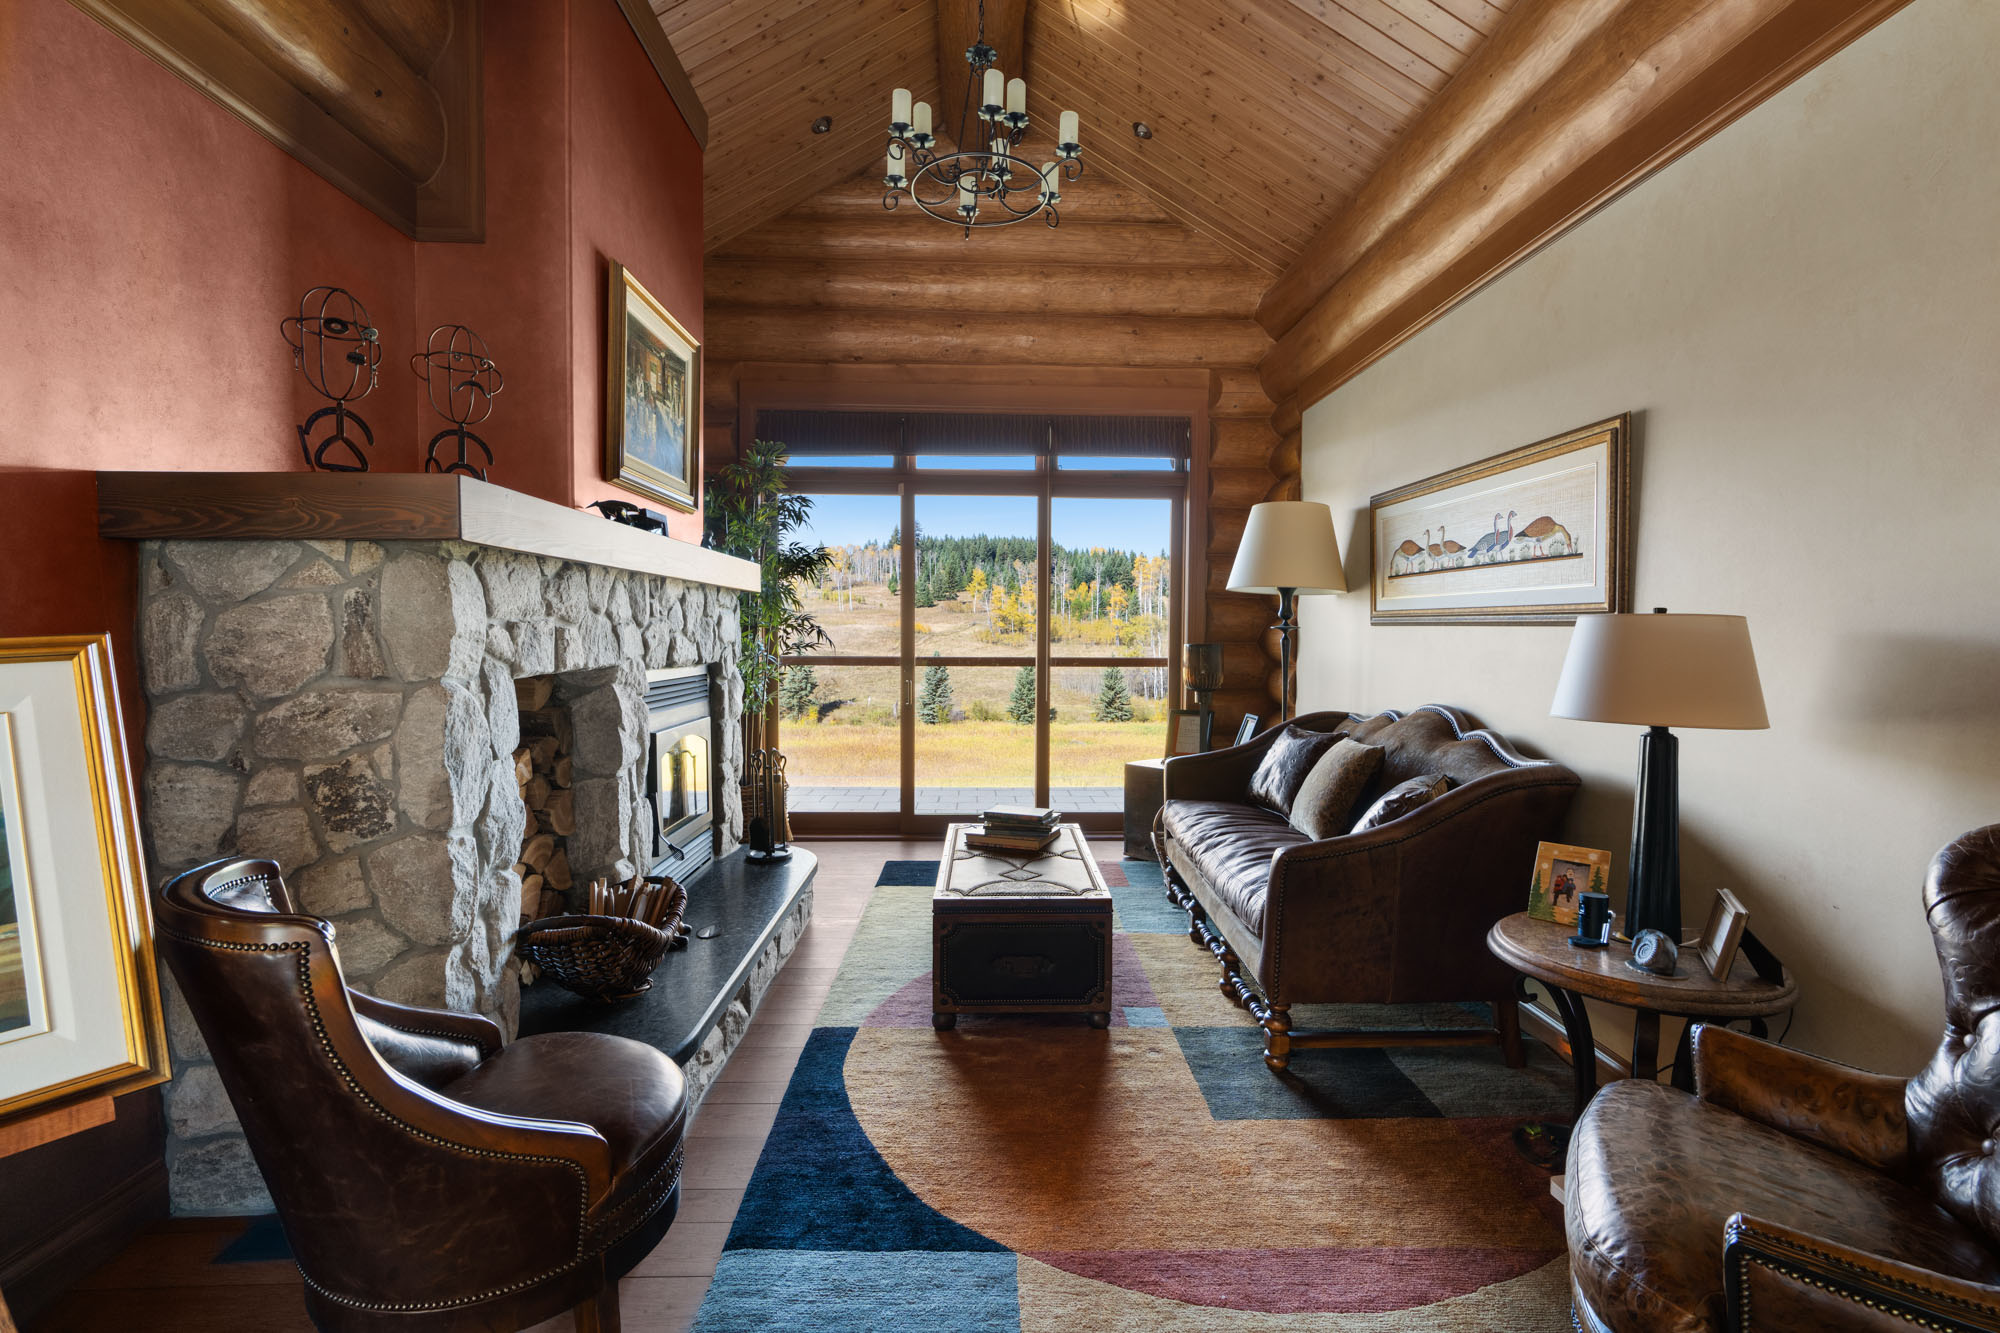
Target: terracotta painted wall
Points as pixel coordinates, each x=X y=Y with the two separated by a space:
x=635 y=196
x=150 y=243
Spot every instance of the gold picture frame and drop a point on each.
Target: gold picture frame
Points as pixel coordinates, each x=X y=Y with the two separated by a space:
x=78 y=988
x=1561 y=873
x=652 y=397
x=1547 y=528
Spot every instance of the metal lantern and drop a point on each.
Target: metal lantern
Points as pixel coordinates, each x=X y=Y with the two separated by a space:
x=1201 y=667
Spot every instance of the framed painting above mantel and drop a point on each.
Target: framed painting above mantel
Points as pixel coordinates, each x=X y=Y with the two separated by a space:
x=1544 y=535
x=652 y=397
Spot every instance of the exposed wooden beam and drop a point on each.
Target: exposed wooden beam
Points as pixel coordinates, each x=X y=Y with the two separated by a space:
x=957 y=30
x=1002 y=288
x=660 y=50
x=976 y=335
x=1496 y=171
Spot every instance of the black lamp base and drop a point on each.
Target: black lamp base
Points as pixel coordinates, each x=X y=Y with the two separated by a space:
x=1653 y=897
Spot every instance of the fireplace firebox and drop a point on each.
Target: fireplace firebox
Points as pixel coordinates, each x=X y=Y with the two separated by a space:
x=681 y=757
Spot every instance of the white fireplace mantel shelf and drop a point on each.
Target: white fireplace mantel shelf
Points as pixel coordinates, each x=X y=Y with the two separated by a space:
x=392 y=506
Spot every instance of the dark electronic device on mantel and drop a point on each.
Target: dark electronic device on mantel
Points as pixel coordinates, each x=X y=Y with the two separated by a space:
x=631 y=515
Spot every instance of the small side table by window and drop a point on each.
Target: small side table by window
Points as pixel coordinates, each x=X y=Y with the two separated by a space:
x=1541 y=950
x=1144 y=794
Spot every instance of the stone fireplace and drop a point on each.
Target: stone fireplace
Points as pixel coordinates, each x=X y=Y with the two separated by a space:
x=354 y=710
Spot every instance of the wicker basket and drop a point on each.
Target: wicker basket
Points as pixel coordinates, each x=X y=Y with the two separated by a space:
x=603 y=958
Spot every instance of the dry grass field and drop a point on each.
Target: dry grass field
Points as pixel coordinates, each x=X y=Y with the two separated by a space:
x=853 y=742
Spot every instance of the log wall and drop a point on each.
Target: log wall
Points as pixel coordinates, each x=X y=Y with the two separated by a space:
x=1120 y=289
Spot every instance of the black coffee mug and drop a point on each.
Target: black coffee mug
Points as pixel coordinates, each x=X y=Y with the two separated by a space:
x=1593 y=918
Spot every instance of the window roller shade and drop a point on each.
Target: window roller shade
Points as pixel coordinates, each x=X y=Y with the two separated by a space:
x=806 y=432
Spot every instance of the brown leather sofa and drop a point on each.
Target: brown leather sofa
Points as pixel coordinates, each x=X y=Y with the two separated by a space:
x=427 y=1177
x=1791 y=1193
x=1395 y=915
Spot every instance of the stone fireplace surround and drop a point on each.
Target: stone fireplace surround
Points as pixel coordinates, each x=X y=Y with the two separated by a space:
x=347 y=709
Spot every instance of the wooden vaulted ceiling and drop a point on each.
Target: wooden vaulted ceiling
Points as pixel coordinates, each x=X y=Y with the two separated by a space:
x=1267 y=115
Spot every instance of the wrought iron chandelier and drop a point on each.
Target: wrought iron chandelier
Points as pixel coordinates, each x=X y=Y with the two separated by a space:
x=978 y=187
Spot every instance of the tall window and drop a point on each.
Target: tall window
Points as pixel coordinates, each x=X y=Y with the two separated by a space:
x=1003 y=606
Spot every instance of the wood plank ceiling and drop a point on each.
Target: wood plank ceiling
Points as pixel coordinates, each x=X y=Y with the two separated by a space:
x=1267 y=115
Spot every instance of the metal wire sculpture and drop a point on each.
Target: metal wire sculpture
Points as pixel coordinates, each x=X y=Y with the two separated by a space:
x=462 y=380
x=331 y=315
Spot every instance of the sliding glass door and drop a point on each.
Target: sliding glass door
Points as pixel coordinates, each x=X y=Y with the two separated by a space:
x=1003 y=629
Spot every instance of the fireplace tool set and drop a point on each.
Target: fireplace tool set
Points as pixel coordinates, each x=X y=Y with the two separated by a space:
x=768 y=828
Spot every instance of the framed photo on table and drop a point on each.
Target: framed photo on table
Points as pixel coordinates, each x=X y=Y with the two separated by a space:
x=652 y=397
x=1183 y=732
x=79 y=997
x=1561 y=873
x=1537 y=535
x=1724 y=932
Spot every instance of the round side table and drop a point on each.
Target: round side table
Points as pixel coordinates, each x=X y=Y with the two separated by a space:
x=1541 y=950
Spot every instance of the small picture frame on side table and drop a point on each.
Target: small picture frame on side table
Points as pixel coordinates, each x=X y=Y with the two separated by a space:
x=1723 y=934
x=1561 y=873
x=1247 y=728
x=1183 y=732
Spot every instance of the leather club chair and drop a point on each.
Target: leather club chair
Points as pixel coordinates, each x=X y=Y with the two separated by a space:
x=1791 y=1193
x=427 y=1177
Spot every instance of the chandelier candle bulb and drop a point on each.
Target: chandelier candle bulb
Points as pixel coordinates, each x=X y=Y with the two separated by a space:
x=892 y=176
x=1067 y=128
x=1017 y=96
x=921 y=123
x=996 y=88
x=1051 y=189
x=968 y=202
x=899 y=110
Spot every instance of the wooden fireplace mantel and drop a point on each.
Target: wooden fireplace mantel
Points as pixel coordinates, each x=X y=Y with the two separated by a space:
x=392 y=506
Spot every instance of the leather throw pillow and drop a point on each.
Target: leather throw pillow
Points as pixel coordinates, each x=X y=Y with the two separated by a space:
x=1325 y=804
x=1277 y=780
x=1405 y=796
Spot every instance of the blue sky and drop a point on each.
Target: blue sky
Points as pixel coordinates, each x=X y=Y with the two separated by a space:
x=1128 y=525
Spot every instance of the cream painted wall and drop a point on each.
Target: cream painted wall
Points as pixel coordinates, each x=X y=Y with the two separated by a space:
x=1803 y=315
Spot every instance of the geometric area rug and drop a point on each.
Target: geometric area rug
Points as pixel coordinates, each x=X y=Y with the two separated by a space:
x=1036 y=1175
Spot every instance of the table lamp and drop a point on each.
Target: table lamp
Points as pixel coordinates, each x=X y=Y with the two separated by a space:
x=1201 y=665
x=1288 y=548
x=1659 y=671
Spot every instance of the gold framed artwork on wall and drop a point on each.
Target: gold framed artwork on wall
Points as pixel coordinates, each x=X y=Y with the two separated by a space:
x=1537 y=535
x=79 y=997
x=652 y=397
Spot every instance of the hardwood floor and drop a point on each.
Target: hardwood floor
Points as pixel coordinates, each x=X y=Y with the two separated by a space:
x=167 y=1282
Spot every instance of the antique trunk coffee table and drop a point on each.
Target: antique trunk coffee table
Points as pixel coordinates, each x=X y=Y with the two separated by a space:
x=1020 y=933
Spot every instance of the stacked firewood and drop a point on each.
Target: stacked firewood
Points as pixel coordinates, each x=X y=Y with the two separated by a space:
x=545 y=773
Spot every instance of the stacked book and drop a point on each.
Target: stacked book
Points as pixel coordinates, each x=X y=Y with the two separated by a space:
x=1014 y=828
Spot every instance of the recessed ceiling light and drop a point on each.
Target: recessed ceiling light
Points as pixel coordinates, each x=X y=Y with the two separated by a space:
x=823 y=124
x=1141 y=130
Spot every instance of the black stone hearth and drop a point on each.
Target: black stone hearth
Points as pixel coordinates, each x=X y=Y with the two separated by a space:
x=694 y=989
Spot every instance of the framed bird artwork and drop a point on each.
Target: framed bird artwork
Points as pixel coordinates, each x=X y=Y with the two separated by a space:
x=1538 y=535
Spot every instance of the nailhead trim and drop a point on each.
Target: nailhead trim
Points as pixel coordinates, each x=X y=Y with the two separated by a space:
x=304 y=962
x=1776 y=1265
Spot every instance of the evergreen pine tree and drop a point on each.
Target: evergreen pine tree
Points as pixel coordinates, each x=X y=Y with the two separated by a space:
x=924 y=595
x=1021 y=703
x=934 y=700
x=1114 y=701
x=893 y=588
x=798 y=695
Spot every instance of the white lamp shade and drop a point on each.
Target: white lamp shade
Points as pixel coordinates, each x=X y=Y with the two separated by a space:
x=1662 y=670
x=1288 y=544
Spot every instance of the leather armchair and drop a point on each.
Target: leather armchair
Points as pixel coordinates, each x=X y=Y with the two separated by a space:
x=428 y=1176
x=1792 y=1193
x=1394 y=915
